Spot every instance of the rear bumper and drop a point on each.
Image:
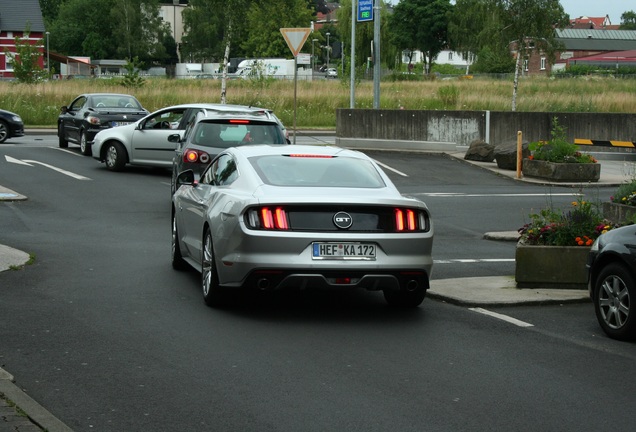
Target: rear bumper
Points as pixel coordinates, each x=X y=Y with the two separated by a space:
x=395 y=280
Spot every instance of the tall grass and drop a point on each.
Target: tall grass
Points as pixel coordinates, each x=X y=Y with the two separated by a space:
x=317 y=101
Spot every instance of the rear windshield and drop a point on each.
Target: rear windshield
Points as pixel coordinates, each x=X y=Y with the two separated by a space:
x=226 y=133
x=316 y=171
x=115 y=101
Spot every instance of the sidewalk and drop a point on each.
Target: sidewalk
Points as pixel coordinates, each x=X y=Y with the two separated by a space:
x=473 y=292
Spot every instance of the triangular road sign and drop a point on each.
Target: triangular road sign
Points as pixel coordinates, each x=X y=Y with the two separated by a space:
x=295 y=38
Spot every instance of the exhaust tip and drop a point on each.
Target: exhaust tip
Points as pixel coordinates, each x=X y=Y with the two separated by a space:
x=412 y=285
x=263 y=284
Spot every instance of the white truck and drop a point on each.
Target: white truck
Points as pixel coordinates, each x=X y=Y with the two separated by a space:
x=273 y=68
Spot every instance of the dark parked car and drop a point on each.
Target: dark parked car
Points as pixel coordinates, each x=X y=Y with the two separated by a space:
x=10 y=125
x=612 y=281
x=214 y=130
x=90 y=113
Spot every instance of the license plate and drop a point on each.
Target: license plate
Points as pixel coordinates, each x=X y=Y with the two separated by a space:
x=333 y=250
x=115 y=124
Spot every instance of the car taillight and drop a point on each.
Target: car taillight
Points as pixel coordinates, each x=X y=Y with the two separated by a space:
x=409 y=220
x=268 y=218
x=196 y=156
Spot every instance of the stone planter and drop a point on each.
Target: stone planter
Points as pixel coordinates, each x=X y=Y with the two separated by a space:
x=551 y=266
x=562 y=172
x=618 y=213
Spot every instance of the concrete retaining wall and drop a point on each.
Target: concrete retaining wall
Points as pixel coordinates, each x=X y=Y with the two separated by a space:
x=438 y=130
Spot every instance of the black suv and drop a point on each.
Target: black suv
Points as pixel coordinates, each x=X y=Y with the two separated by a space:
x=89 y=113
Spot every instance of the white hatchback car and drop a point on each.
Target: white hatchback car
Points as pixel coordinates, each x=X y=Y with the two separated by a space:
x=145 y=142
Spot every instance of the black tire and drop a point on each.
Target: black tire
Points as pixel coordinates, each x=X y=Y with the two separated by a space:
x=404 y=298
x=613 y=290
x=4 y=131
x=213 y=294
x=178 y=263
x=85 y=149
x=115 y=156
x=62 y=142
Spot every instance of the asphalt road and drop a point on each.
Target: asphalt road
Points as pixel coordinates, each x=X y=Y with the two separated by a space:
x=102 y=332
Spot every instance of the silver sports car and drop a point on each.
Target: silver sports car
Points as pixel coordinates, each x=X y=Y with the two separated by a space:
x=272 y=217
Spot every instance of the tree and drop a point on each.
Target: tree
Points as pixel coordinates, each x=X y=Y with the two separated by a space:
x=263 y=37
x=50 y=9
x=80 y=29
x=141 y=31
x=364 y=35
x=527 y=25
x=110 y=29
x=421 y=25
x=26 y=67
x=204 y=31
x=628 y=20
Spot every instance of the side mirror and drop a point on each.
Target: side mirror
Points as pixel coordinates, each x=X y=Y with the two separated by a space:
x=64 y=109
x=185 y=178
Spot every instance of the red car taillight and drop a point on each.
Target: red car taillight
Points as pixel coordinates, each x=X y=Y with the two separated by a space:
x=268 y=218
x=196 y=156
x=409 y=220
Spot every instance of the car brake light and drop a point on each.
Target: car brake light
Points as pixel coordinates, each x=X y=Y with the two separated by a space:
x=406 y=220
x=239 y=121
x=268 y=218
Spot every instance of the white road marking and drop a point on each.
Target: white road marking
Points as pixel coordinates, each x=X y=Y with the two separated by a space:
x=69 y=152
x=60 y=170
x=464 y=261
x=390 y=168
x=502 y=317
x=16 y=161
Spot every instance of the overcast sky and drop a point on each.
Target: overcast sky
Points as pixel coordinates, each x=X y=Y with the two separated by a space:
x=598 y=8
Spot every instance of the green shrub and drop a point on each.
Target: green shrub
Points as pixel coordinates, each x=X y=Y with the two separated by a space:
x=558 y=149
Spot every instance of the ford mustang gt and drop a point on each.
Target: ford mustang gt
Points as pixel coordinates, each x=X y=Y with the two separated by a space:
x=274 y=217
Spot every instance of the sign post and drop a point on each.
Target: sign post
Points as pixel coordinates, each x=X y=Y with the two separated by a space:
x=295 y=38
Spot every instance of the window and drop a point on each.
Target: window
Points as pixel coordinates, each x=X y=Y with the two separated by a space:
x=450 y=56
x=542 y=63
x=9 y=62
x=525 y=65
x=224 y=170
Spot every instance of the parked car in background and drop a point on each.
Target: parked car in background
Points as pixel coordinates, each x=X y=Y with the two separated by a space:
x=145 y=142
x=332 y=73
x=612 y=281
x=11 y=125
x=271 y=217
x=214 y=130
x=90 y=113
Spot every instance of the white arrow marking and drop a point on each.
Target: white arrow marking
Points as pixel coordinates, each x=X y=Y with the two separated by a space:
x=16 y=161
x=60 y=170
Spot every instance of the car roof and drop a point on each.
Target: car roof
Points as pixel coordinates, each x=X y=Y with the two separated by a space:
x=106 y=94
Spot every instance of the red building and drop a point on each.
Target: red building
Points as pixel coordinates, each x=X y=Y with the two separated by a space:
x=15 y=18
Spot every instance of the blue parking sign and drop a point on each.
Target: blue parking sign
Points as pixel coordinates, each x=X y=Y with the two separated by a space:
x=365 y=10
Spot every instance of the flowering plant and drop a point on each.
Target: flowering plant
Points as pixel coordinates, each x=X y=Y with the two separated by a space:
x=578 y=226
x=557 y=149
x=625 y=194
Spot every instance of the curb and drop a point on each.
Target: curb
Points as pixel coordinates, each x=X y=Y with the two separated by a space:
x=35 y=412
